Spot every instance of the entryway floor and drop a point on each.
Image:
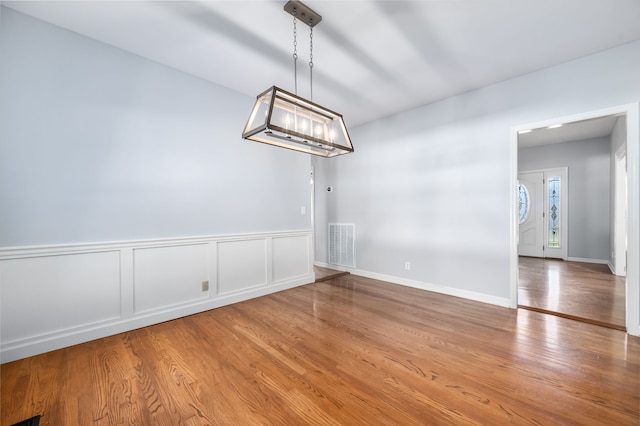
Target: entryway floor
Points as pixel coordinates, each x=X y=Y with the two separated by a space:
x=586 y=292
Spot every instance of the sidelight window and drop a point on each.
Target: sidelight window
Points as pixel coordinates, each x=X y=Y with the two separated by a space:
x=554 y=211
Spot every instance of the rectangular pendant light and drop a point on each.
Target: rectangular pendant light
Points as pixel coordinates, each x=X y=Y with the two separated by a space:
x=286 y=120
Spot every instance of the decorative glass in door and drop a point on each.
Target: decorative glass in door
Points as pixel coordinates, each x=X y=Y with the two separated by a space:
x=554 y=212
x=523 y=203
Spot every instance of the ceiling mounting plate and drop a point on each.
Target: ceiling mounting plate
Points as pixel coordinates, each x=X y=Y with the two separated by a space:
x=302 y=13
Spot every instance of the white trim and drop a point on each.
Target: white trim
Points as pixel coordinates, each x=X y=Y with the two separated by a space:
x=633 y=191
x=514 y=223
x=619 y=249
x=89 y=247
x=450 y=291
x=335 y=267
x=19 y=268
x=586 y=260
x=312 y=208
x=633 y=219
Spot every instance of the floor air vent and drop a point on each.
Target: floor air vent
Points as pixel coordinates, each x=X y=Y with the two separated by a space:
x=342 y=244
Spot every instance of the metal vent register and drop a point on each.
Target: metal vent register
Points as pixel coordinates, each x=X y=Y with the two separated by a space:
x=342 y=244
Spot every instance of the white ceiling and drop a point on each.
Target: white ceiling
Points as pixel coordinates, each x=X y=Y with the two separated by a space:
x=372 y=58
x=575 y=131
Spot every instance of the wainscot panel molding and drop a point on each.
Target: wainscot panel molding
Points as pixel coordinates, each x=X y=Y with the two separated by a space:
x=166 y=276
x=61 y=295
x=242 y=265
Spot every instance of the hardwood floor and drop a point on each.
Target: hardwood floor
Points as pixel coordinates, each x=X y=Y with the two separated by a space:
x=324 y=274
x=348 y=351
x=586 y=292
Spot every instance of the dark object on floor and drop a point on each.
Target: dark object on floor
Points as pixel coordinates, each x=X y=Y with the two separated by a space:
x=33 y=421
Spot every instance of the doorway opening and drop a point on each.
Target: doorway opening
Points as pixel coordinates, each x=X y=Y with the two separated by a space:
x=585 y=262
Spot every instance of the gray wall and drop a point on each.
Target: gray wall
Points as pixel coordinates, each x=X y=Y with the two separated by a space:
x=589 y=189
x=432 y=185
x=97 y=144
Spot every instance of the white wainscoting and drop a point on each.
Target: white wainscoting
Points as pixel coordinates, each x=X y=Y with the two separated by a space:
x=235 y=274
x=56 y=296
x=167 y=276
x=286 y=266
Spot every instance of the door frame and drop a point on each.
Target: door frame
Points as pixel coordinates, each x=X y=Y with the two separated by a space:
x=633 y=204
x=619 y=249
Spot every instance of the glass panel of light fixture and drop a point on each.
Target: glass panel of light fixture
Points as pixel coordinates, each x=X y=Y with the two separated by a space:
x=259 y=113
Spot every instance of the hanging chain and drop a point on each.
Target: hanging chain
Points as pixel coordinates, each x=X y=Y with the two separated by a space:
x=311 y=62
x=295 y=53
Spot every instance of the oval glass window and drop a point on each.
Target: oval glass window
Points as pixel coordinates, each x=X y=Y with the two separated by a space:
x=523 y=203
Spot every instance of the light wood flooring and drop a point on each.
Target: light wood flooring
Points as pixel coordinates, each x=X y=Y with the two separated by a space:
x=586 y=292
x=346 y=351
x=324 y=274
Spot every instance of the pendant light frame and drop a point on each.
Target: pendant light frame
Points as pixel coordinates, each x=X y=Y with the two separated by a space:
x=284 y=119
x=290 y=121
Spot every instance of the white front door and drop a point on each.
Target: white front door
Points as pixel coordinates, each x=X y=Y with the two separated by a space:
x=556 y=216
x=531 y=214
x=543 y=213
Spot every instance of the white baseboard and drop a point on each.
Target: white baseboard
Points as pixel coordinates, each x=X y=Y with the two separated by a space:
x=586 y=260
x=330 y=266
x=57 y=296
x=613 y=270
x=465 y=294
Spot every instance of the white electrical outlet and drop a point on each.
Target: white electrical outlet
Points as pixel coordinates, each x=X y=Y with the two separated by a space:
x=407 y=266
x=205 y=285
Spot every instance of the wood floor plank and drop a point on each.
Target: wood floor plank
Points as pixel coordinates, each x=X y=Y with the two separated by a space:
x=324 y=274
x=347 y=351
x=576 y=290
